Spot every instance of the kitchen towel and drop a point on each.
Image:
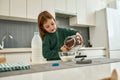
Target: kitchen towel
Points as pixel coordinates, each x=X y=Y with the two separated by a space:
x=13 y=67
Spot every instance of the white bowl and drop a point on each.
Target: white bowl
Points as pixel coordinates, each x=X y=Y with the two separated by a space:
x=67 y=56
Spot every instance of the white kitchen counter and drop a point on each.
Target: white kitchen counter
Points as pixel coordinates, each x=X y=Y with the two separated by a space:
x=26 y=50
x=11 y=54
x=16 y=50
x=99 y=69
x=93 y=48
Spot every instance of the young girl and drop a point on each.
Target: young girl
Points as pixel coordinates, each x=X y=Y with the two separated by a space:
x=52 y=36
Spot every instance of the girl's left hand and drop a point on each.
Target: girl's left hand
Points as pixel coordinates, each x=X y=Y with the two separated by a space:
x=64 y=49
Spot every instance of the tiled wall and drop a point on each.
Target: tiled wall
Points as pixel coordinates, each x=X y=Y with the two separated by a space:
x=23 y=32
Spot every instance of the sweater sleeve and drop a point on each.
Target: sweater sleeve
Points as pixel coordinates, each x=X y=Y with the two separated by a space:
x=69 y=32
x=50 y=54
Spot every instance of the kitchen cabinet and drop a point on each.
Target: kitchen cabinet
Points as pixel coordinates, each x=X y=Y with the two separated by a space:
x=4 y=7
x=106 y=33
x=92 y=7
x=49 y=6
x=66 y=6
x=86 y=12
x=33 y=8
x=60 y=5
x=18 y=58
x=18 y=8
x=71 y=6
x=81 y=14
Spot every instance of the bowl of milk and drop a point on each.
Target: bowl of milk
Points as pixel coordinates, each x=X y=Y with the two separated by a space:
x=66 y=56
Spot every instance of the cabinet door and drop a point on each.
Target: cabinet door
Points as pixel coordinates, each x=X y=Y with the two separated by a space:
x=18 y=58
x=4 y=7
x=18 y=8
x=60 y=5
x=81 y=12
x=71 y=6
x=33 y=8
x=92 y=6
x=81 y=18
x=49 y=6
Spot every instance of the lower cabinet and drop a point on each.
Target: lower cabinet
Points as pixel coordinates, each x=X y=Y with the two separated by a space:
x=18 y=58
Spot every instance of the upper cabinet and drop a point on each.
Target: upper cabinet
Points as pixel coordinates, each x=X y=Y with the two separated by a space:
x=81 y=14
x=60 y=5
x=49 y=6
x=71 y=6
x=86 y=12
x=82 y=10
x=92 y=6
x=33 y=8
x=18 y=8
x=65 y=6
x=4 y=7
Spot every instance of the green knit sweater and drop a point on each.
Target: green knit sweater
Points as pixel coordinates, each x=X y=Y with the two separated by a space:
x=54 y=41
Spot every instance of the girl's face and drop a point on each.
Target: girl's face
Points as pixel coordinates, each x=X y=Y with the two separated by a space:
x=50 y=26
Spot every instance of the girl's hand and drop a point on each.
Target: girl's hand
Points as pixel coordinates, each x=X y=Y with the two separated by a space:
x=80 y=36
x=64 y=49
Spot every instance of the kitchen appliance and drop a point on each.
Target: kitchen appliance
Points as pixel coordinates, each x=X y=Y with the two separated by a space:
x=107 y=32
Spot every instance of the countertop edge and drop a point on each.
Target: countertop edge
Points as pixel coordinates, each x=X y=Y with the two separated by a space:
x=16 y=50
x=62 y=65
x=29 y=50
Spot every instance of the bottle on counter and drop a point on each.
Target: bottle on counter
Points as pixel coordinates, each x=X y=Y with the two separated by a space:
x=36 y=46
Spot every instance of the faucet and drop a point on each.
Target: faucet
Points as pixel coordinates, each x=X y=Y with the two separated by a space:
x=3 y=38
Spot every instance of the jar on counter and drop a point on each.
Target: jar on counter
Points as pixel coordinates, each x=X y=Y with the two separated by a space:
x=72 y=41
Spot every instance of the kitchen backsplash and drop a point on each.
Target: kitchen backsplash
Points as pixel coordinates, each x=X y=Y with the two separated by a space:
x=23 y=32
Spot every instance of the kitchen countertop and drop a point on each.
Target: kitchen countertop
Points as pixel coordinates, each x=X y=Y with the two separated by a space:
x=62 y=65
x=16 y=50
x=25 y=50
x=93 y=48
